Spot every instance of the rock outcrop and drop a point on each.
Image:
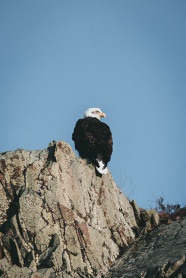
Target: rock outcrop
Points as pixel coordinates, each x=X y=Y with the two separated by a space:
x=161 y=253
x=58 y=218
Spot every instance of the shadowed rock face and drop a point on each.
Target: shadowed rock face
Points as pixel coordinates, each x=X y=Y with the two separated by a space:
x=162 y=253
x=57 y=217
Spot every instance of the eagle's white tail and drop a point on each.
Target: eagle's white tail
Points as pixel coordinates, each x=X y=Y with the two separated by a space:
x=101 y=166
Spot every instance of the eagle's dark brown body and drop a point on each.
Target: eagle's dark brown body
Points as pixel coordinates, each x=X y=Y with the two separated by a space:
x=93 y=139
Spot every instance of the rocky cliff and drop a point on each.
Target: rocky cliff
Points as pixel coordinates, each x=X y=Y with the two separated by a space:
x=58 y=218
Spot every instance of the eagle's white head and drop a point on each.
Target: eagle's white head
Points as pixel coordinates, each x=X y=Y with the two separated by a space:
x=94 y=113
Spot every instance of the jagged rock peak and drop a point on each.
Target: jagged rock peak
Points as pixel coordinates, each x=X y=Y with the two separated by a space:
x=57 y=217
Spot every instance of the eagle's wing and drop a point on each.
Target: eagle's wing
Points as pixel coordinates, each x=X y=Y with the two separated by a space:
x=93 y=139
x=103 y=140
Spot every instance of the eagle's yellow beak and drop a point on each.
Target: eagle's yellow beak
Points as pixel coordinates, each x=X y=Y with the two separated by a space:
x=102 y=115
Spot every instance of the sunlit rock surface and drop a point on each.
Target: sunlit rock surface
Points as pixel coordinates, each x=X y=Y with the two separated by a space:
x=58 y=218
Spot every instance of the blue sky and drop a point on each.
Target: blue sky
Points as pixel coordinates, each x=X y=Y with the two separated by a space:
x=128 y=58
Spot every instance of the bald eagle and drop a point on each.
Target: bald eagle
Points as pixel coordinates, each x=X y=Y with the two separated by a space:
x=93 y=139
